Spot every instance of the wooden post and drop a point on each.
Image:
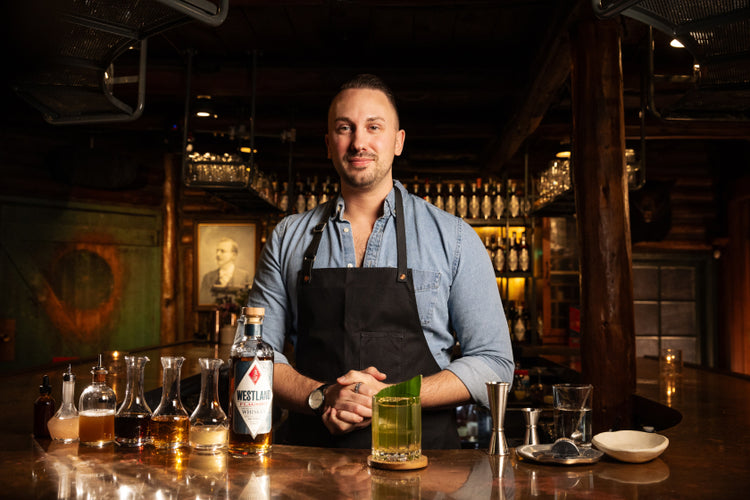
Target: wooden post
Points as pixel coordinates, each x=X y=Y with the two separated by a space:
x=169 y=253
x=600 y=184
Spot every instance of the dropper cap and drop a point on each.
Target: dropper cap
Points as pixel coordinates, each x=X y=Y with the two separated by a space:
x=45 y=388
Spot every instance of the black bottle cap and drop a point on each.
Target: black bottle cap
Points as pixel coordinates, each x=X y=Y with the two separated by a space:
x=45 y=388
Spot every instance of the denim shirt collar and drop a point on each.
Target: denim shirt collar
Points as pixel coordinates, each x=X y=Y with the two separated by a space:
x=389 y=205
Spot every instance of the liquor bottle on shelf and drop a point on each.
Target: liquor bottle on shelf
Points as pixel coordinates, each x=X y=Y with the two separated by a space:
x=523 y=254
x=439 y=199
x=96 y=416
x=311 y=197
x=450 y=201
x=134 y=415
x=251 y=389
x=462 y=204
x=498 y=203
x=284 y=197
x=427 y=192
x=514 y=205
x=474 y=202
x=300 y=204
x=510 y=314
x=486 y=204
x=325 y=191
x=512 y=254
x=63 y=426
x=170 y=423
x=44 y=409
x=519 y=329
x=488 y=246
x=498 y=260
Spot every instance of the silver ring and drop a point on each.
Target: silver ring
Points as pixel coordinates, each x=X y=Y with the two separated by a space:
x=356 y=387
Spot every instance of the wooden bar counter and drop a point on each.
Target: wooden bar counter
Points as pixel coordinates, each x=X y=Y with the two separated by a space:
x=708 y=456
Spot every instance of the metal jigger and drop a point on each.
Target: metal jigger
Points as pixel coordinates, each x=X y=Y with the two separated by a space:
x=498 y=394
x=532 y=418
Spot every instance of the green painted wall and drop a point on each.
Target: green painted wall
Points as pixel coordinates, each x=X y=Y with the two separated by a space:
x=76 y=279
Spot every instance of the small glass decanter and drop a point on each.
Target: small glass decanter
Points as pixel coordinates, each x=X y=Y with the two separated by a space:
x=209 y=427
x=133 y=416
x=96 y=415
x=170 y=422
x=63 y=426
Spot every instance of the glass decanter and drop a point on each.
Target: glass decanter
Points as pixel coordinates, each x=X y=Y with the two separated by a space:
x=170 y=422
x=63 y=426
x=209 y=426
x=133 y=416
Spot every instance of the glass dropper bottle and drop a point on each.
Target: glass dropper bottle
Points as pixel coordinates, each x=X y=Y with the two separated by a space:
x=63 y=426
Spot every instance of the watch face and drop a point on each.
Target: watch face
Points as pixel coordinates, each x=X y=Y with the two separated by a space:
x=316 y=399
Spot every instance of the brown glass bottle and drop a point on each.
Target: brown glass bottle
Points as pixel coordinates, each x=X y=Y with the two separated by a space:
x=251 y=389
x=44 y=409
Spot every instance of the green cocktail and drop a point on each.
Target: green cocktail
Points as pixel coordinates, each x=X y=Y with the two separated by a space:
x=396 y=428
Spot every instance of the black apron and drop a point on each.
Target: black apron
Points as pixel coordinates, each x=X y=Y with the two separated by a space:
x=353 y=318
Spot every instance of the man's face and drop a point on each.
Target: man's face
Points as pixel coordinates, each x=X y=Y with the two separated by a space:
x=363 y=138
x=224 y=253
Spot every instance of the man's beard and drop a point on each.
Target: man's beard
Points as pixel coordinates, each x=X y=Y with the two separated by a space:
x=362 y=179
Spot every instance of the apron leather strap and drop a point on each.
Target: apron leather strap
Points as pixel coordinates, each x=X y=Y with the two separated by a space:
x=400 y=237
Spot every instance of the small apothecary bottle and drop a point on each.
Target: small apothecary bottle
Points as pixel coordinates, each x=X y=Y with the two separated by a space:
x=96 y=410
x=133 y=416
x=63 y=427
x=170 y=423
x=44 y=408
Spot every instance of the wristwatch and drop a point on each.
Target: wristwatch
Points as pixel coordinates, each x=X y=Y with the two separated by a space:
x=317 y=398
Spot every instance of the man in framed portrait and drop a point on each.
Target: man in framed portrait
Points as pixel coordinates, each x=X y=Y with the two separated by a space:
x=227 y=277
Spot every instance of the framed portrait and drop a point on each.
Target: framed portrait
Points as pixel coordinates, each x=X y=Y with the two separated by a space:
x=225 y=257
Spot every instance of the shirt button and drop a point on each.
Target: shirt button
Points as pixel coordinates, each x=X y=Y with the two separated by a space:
x=346 y=229
x=350 y=265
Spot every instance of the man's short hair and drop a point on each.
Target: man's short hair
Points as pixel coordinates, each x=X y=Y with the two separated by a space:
x=372 y=82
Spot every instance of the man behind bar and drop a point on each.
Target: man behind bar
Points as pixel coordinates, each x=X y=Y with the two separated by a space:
x=370 y=289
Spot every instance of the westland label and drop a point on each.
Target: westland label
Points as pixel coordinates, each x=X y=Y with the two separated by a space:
x=253 y=397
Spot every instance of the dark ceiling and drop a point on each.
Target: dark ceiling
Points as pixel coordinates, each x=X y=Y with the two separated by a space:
x=478 y=82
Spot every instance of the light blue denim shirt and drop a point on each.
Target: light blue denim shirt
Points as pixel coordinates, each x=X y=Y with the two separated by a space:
x=453 y=279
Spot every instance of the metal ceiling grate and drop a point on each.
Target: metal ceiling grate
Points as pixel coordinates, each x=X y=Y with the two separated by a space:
x=717 y=34
x=75 y=81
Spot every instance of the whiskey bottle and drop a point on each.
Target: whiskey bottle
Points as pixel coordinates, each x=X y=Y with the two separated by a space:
x=523 y=254
x=498 y=261
x=474 y=201
x=251 y=389
x=486 y=206
x=498 y=203
x=450 y=201
x=462 y=205
x=512 y=254
x=439 y=200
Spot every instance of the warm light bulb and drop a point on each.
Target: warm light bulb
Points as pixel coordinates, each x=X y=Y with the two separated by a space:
x=203 y=114
x=676 y=44
x=563 y=154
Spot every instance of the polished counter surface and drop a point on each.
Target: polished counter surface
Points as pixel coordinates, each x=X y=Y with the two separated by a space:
x=708 y=456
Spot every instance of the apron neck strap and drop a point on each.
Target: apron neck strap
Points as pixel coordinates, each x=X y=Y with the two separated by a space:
x=400 y=236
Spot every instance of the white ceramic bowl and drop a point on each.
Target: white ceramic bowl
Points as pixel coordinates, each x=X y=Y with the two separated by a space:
x=631 y=446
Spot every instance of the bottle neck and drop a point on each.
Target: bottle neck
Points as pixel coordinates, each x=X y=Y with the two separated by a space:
x=253 y=330
x=68 y=392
